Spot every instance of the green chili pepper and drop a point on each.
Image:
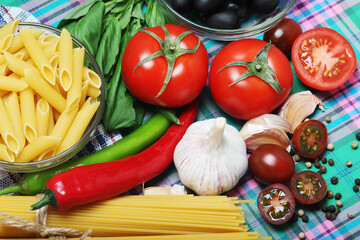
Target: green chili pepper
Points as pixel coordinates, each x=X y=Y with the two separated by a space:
x=135 y=142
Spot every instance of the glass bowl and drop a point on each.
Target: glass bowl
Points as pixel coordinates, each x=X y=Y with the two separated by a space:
x=253 y=27
x=90 y=62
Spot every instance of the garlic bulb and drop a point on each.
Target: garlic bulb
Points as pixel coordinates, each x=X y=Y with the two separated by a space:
x=211 y=157
x=166 y=190
x=267 y=128
x=298 y=106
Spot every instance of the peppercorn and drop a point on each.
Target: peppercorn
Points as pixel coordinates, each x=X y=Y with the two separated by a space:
x=330 y=147
x=338 y=196
x=348 y=163
x=331 y=208
x=328 y=215
x=331 y=162
x=301 y=212
x=329 y=194
x=294 y=218
x=328 y=119
x=357 y=136
x=324 y=160
x=317 y=164
x=339 y=203
x=324 y=208
x=355 y=188
x=357 y=181
x=323 y=169
x=308 y=164
x=354 y=145
x=334 y=180
x=302 y=236
x=297 y=158
x=305 y=218
x=292 y=152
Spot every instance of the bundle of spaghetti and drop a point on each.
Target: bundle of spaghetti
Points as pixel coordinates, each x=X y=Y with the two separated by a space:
x=139 y=216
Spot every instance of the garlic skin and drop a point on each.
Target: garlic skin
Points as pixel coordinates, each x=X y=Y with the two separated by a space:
x=267 y=128
x=211 y=157
x=166 y=190
x=298 y=106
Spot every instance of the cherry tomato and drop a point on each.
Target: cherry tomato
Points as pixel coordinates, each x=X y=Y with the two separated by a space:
x=310 y=138
x=283 y=34
x=166 y=71
x=308 y=187
x=251 y=96
x=323 y=59
x=271 y=163
x=276 y=204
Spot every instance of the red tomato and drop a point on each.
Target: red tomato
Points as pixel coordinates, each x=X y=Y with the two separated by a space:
x=308 y=187
x=276 y=204
x=310 y=138
x=323 y=59
x=271 y=163
x=186 y=79
x=252 y=96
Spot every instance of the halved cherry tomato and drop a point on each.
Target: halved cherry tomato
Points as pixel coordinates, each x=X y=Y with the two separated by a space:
x=271 y=163
x=276 y=204
x=310 y=138
x=308 y=187
x=323 y=59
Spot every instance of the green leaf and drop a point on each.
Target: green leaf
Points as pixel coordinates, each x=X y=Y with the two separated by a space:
x=109 y=47
x=137 y=11
x=124 y=20
x=153 y=14
x=89 y=28
x=77 y=13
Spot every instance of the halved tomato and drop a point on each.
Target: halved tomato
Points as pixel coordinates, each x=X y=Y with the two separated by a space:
x=276 y=204
x=310 y=139
x=323 y=59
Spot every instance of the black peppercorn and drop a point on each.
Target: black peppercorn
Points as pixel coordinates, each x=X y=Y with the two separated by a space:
x=324 y=160
x=304 y=218
x=334 y=180
x=328 y=215
x=331 y=162
x=294 y=218
x=357 y=136
x=338 y=196
x=317 y=164
x=355 y=188
x=292 y=152
x=357 y=181
x=323 y=169
x=332 y=208
x=324 y=208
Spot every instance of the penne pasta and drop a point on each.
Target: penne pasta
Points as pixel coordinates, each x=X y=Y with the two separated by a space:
x=84 y=90
x=12 y=84
x=6 y=154
x=92 y=77
x=17 y=65
x=7 y=130
x=38 y=146
x=17 y=43
x=28 y=114
x=93 y=91
x=74 y=94
x=66 y=60
x=22 y=54
x=4 y=69
x=2 y=59
x=10 y=28
x=3 y=93
x=48 y=39
x=42 y=116
x=36 y=82
x=5 y=42
x=12 y=106
x=38 y=56
x=47 y=154
x=63 y=123
x=79 y=124
x=51 y=121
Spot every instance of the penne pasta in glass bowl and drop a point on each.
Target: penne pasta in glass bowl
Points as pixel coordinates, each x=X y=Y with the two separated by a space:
x=52 y=96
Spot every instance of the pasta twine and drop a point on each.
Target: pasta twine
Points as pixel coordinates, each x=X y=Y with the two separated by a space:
x=40 y=228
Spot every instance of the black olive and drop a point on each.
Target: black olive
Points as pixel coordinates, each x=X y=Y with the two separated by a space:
x=242 y=9
x=223 y=20
x=264 y=6
x=181 y=6
x=207 y=7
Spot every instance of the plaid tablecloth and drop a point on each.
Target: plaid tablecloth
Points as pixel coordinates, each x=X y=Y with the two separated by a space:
x=342 y=105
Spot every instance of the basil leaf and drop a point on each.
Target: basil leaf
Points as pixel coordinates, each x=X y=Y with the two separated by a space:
x=77 y=13
x=137 y=11
x=109 y=47
x=153 y=14
x=126 y=17
x=89 y=28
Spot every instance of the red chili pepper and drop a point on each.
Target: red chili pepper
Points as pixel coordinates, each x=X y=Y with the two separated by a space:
x=100 y=181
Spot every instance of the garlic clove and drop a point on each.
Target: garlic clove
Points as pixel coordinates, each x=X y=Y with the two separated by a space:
x=298 y=106
x=174 y=190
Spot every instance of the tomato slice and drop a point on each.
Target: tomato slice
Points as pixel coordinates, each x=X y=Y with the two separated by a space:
x=276 y=204
x=308 y=187
x=323 y=59
x=310 y=138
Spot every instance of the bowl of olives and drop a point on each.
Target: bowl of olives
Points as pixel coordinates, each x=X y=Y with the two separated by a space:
x=226 y=20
